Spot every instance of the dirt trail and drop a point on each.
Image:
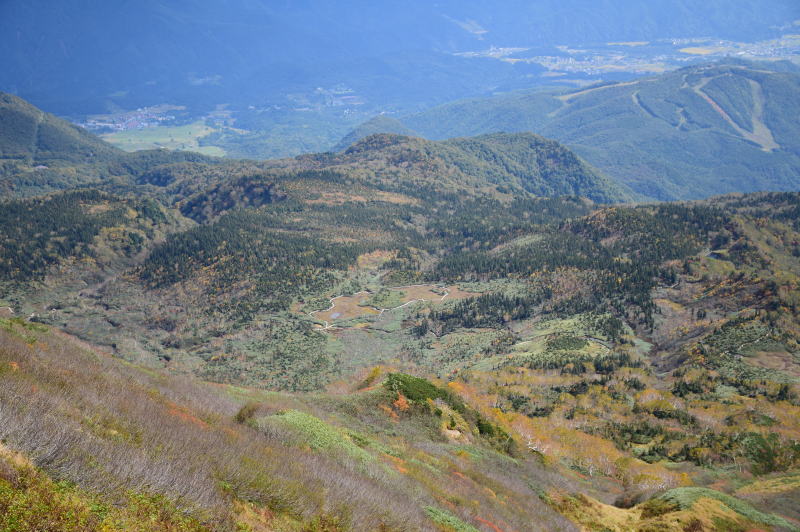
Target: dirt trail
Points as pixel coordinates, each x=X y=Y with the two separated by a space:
x=638 y=103
x=568 y=97
x=760 y=129
x=35 y=146
x=761 y=134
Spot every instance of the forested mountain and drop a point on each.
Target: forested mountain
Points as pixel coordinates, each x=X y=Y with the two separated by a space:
x=499 y=163
x=28 y=133
x=467 y=334
x=40 y=153
x=491 y=164
x=691 y=133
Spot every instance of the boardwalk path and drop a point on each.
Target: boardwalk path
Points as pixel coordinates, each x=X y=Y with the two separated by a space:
x=380 y=311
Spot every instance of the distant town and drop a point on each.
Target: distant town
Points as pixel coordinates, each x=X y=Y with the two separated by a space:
x=143 y=118
x=643 y=57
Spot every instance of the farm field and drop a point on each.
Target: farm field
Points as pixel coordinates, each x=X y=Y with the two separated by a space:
x=171 y=138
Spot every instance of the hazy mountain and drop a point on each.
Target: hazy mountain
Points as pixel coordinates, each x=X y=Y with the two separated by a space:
x=378 y=124
x=87 y=55
x=691 y=133
x=40 y=153
x=28 y=133
x=521 y=162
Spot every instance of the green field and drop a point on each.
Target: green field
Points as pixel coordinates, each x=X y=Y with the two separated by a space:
x=172 y=138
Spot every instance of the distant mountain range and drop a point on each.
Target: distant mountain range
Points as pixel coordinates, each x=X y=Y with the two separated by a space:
x=40 y=152
x=691 y=133
x=84 y=57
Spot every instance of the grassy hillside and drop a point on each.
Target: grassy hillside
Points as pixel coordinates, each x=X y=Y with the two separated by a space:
x=408 y=335
x=686 y=134
x=394 y=453
x=239 y=459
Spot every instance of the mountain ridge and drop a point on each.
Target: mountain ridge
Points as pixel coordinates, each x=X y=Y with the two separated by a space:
x=685 y=134
x=29 y=133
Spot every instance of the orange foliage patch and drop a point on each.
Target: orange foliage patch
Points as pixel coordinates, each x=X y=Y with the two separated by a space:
x=401 y=403
x=489 y=524
x=181 y=413
x=392 y=414
x=399 y=463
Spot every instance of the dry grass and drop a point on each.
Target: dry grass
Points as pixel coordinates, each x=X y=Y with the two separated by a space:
x=346 y=308
x=87 y=418
x=394 y=197
x=704 y=514
x=336 y=198
x=340 y=198
x=375 y=258
x=424 y=292
x=775 y=485
x=113 y=429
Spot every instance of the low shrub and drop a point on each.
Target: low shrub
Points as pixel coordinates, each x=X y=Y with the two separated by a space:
x=448 y=520
x=684 y=498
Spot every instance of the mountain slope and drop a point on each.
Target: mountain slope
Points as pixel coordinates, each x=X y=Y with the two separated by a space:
x=537 y=165
x=30 y=134
x=378 y=124
x=235 y=458
x=620 y=366
x=41 y=153
x=505 y=163
x=686 y=134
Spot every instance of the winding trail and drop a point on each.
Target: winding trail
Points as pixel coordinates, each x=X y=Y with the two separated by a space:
x=567 y=97
x=638 y=103
x=35 y=146
x=761 y=134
